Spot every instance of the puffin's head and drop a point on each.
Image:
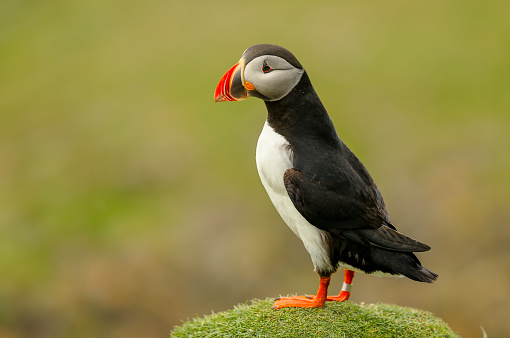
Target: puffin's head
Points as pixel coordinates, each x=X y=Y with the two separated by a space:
x=266 y=71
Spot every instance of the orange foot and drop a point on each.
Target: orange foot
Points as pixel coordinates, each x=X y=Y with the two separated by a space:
x=297 y=301
x=346 y=288
x=305 y=301
x=343 y=296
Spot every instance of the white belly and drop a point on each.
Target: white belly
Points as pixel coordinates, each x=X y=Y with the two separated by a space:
x=273 y=159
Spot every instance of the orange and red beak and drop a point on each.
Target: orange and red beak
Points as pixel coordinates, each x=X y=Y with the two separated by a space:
x=232 y=85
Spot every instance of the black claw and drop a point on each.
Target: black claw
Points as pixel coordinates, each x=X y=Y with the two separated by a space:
x=273 y=307
x=278 y=298
x=308 y=296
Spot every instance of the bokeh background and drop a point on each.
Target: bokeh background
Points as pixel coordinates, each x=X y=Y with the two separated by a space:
x=130 y=201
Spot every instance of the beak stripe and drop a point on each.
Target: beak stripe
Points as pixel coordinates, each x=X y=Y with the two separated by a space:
x=222 y=92
x=225 y=91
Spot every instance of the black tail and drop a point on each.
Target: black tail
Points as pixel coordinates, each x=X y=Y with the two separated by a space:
x=405 y=263
x=370 y=259
x=422 y=275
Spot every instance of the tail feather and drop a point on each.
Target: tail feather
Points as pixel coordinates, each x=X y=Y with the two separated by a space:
x=422 y=275
x=374 y=259
x=403 y=263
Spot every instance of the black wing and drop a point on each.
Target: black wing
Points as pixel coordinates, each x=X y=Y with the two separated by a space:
x=350 y=207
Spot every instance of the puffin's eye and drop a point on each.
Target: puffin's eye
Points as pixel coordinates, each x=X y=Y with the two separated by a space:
x=266 y=68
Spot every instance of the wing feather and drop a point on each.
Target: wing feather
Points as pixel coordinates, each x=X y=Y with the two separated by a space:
x=354 y=213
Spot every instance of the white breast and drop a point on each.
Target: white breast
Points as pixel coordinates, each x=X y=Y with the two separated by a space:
x=273 y=159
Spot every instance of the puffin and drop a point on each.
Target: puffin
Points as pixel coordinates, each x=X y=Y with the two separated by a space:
x=319 y=187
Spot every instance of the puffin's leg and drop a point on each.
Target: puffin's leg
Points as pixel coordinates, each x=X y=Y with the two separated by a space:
x=303 y=301
x=346 y=288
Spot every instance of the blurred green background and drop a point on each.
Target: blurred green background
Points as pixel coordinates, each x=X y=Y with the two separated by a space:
x=130 y=201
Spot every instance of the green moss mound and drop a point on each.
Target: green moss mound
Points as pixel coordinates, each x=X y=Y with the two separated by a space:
x=345 y=319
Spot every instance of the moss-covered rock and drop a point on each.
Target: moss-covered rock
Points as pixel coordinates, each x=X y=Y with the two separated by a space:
x=345 y=319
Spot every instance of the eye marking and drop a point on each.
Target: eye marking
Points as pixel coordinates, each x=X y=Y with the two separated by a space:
x=266 y=68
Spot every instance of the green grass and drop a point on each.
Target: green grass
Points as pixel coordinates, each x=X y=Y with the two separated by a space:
x=345 y=319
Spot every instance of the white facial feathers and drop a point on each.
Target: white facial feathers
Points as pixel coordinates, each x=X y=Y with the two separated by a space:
x=272 y=76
